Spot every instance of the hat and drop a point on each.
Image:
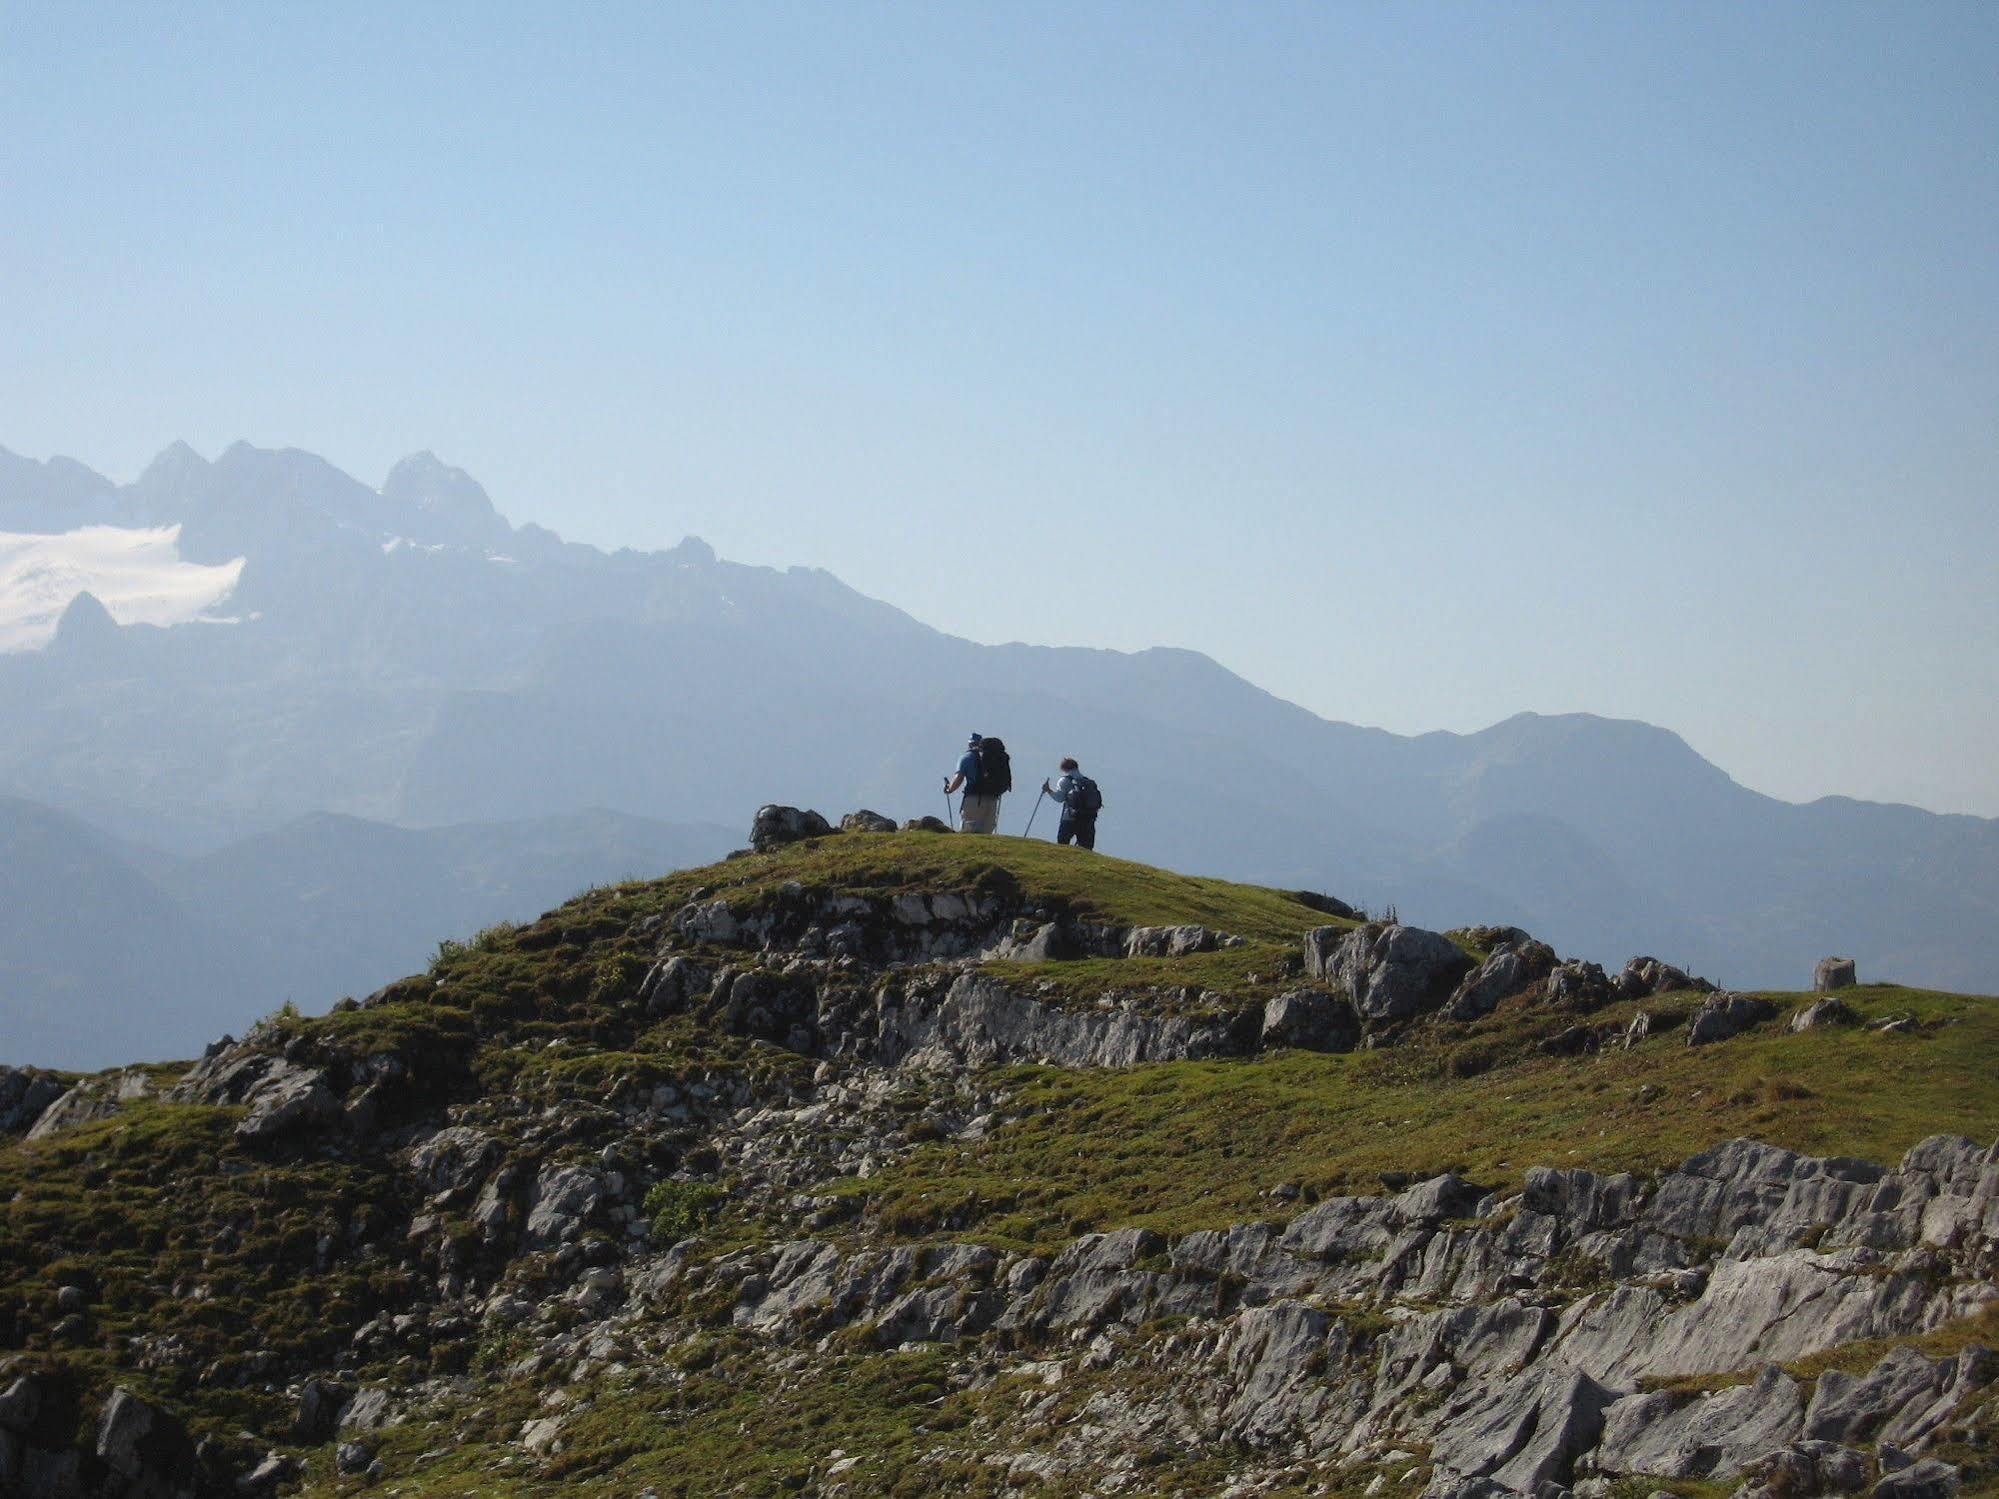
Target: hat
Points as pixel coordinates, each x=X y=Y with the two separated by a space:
x=978 y=739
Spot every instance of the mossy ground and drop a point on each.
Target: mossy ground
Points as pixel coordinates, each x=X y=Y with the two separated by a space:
x=1086 y=885
x=185 y=1241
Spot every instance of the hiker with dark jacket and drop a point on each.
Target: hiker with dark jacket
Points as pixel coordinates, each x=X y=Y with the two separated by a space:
x=985 y=775
x=1080 y=801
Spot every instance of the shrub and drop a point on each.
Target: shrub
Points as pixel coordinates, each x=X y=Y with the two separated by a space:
x=678 y=1209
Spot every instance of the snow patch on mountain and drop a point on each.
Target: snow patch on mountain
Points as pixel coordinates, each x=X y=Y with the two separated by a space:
x=138 y=574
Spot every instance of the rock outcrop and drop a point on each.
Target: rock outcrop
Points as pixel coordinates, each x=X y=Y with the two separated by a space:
x=25 y=1095
x=1723 y=1015
x=1391 y=972
x=776 y=826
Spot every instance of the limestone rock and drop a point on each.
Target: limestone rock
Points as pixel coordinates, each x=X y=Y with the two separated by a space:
x=25 y=1094
x=289 y=1097
x=1050 y=942
x=865 y=821
x=1665 y=1435
x=1523 y=1432
x=1644 y=977
x=1724 y=1015
x=1929 y=1479
x=1390 y=971
x=147 y=1448
x=563 y=1200
x=1325 y=905
x=1829 y=974
x=776 y=826
x=1901 y=1400
x=1826 y=1011
x=1312 y=1020
x=320 y=1403
x=712 y=921
x=1506 y=973
x=1804 y=1468
x=92 y=1099
x=1174 y=941
x=1577 y=985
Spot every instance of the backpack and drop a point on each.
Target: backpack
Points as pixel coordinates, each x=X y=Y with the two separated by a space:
x=995 y=769
x=1086 y=800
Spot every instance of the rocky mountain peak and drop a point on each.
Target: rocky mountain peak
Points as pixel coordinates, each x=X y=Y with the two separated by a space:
x=177 y=463
x=86 y=630
x=453 y=505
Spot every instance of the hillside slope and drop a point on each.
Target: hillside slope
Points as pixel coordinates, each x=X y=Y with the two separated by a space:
x=910 y=1163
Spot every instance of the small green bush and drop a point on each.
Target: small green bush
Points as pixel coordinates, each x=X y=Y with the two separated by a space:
x=678 y=1209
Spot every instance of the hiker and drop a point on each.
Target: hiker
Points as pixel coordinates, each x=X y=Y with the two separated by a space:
x=1080 y=801
x=985 y=774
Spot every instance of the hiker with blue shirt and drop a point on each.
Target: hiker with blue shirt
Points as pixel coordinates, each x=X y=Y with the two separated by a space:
x=1080 y=801
x=985 y=774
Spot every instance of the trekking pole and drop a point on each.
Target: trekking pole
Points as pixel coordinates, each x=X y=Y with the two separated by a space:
x=950 y=817
x=1035 y=813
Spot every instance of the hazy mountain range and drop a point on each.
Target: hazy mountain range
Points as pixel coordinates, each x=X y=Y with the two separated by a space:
x=402 y=658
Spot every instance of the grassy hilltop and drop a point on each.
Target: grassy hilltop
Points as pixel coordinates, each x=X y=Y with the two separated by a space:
x=220 y=1270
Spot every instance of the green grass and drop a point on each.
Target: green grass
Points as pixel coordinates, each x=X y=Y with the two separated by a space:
x=714 y=1419
x=1188 y=1145
x=1086 y=885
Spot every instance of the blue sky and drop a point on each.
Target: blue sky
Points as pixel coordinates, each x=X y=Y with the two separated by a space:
x=1423 y=363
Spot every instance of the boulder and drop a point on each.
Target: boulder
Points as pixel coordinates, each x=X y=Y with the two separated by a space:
x=1312 y=1020
x=1829 y=974
x=865 y=821
x=1803 y=1468
x=926 y=825
x=1051 y=942
x=320 y=1402
x=1644 y=977
x=21 y=1403
x=1390 y=971
x=1174 y=941
x=670 y=984
x=1325 y=905
x=1500 y=976
x=1577 y=985
x=564 y=1199
x=146 y=1447
x=454 y=1159
x=1929 y=1479
x=1724 y=1015
x=776 y=826
x=367 y=1411
x=1573 y=1041
x=1825 y=1012
x=288 y=1098
x=710 y=921
x=25 y=1095
x=92 y=1099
